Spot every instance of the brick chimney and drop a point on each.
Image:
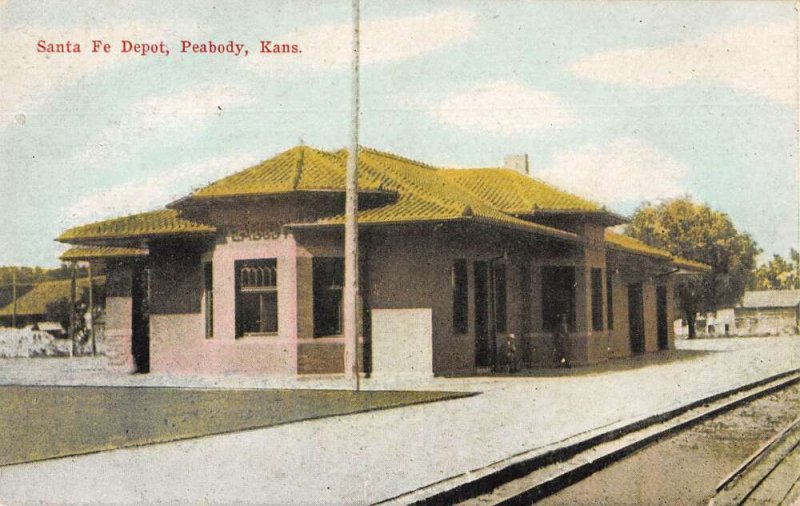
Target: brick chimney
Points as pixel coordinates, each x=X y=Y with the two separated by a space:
x=518 y=163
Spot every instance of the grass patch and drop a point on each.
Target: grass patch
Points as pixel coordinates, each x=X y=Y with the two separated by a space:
x=39 y=423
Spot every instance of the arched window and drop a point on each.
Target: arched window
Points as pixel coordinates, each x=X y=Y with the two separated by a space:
x=256 y=297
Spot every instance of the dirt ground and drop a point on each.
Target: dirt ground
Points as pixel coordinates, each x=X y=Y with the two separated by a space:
x=685 y=468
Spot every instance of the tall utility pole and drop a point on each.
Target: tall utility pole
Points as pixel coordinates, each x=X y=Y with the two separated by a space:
x=14 y=297
x=351 y=223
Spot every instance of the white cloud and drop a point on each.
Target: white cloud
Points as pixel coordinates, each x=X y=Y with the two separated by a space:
x=29 y=78
x=502 y=107
x=625 y=170
x=383 y=40
x=153 y=192
x=758 y=59
x=158 y=120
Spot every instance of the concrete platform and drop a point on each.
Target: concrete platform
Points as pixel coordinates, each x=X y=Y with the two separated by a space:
x=374 y=456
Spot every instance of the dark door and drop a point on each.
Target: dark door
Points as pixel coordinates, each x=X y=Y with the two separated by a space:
x=483 y=304
x=636 y=317
x=140 y=321
x=661 y=317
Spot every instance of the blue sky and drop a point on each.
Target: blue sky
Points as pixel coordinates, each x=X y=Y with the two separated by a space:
x=619 y=101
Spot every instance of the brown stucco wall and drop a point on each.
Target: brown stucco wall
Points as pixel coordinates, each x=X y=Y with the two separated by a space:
x=410 y=267
x=627 y=270
x=176 y=277
x=650 y=326
x=409 y=270
x=586 y=346
x=619 y=339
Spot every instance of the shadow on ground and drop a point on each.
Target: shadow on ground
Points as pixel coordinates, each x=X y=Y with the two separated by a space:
x=613 y=365
x=38 y=423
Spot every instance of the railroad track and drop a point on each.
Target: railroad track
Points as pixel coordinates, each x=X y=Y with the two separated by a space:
x=534 y=475
x=771 y=475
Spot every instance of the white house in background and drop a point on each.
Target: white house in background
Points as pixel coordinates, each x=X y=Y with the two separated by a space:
x=761 y=313
x=768 y=312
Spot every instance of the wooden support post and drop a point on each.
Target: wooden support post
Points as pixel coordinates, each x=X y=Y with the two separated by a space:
x=91 y=309
x=72 y=322
x=14 y=297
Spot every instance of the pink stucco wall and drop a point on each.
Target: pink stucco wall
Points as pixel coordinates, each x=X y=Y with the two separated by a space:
x=177 y=336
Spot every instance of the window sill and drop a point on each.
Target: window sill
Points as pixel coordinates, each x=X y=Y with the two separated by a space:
x=257 y=336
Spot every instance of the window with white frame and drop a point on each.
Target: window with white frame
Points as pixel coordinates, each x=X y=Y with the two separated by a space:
x=256 y=297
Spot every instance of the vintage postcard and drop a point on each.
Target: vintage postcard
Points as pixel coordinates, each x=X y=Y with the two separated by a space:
x=399 y=252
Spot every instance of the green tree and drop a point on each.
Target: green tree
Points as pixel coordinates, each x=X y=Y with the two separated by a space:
x=697 y=232
x=778 y=273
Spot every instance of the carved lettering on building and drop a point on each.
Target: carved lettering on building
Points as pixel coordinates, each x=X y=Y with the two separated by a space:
x=255 y=231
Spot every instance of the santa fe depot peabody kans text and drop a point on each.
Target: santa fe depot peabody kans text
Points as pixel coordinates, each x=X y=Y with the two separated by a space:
x=226 y=48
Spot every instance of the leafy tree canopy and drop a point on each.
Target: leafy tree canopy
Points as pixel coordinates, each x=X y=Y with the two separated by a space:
x=778 y=273
x=699 y=233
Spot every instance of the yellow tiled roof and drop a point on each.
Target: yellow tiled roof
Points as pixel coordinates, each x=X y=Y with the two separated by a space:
x=299 y=169
x=420 y=193
x=690 y=264
x=514 y=193
x=630 y=245
x=35 y=301
x=154 y=223
x=426 y=196
x=99 y=252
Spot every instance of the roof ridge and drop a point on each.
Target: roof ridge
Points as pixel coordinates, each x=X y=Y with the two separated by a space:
x=298 y=168
x=399 y=157
x=404 y=180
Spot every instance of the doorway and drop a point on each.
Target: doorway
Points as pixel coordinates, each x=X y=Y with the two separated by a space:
x=483 y=314
x=140 y=318
x=636 y=317
x=661 y=317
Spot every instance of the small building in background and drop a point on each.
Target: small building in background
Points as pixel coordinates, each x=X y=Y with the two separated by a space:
x=46 y=301
x=768 y=312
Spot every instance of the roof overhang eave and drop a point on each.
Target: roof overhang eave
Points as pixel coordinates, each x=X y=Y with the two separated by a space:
x=109 y=240
x=100 y=257
x=541 y=230
x=605 y=217
x=197 y=199
x=628 y=251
